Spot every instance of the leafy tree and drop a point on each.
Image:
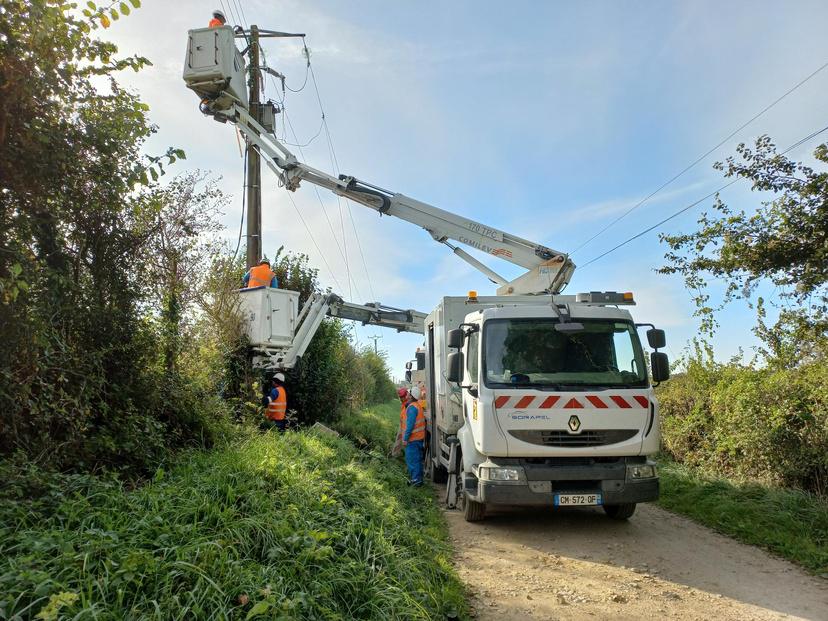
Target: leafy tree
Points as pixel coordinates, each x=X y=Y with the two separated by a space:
x=784 y=242
x=179 y=221
x=76 y=380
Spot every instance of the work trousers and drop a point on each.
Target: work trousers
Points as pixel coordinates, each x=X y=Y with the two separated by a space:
x=414 y=460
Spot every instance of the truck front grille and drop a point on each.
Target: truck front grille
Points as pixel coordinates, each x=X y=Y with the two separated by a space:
x=561 y=438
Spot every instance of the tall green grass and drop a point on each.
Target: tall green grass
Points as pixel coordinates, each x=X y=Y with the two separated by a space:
x=790 y=523
x=291 y=526
x=375 y=427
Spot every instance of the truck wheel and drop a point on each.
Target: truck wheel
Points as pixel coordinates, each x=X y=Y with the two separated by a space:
x=620 y=512
x=473 y=511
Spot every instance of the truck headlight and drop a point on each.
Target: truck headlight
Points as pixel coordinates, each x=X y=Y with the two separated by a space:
x=641 y=471
x=497 y=473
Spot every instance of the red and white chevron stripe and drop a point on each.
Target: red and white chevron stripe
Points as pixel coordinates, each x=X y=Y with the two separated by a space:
x=603 y=402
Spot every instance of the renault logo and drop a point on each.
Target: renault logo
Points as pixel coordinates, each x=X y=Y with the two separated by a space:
x=574 y=423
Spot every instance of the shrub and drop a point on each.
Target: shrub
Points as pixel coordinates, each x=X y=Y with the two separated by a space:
x=750 y=423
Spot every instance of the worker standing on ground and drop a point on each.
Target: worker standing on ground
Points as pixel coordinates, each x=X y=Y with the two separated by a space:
x=414 y=429
x=402 y=393
x=276 y=403
x=218 y=19
x=260 y=276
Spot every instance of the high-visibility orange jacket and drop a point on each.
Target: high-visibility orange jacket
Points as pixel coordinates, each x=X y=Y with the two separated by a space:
x=215 y=23
x=419 y=428
x=278 y=407
x=260 y=276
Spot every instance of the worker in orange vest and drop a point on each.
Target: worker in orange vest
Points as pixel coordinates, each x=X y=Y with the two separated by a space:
x=413 y=427
x=218 y=19
x=402 y=394
x=276 y=402
x=260 y=276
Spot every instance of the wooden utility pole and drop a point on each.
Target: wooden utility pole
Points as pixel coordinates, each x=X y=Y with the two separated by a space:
x=254 y=162
x=254 y=165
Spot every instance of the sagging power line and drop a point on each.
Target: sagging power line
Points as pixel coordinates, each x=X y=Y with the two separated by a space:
x=694 y=203
x=701 y=157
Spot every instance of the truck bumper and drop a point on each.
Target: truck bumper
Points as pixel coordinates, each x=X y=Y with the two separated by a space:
x=643 y=490
x=544 y=482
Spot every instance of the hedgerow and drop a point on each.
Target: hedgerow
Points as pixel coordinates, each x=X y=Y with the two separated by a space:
x=748 y=423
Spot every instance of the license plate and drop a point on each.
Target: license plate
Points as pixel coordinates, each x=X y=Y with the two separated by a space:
x=577 y=500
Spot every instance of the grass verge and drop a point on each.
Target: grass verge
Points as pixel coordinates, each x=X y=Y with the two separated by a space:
x=790 y=523
x=280 y=527
x=375 y=427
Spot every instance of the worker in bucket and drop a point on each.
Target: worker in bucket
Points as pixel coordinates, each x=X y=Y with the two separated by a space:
x=413 y=426
x=218 y=19
x=276 y=403
x=260 y=276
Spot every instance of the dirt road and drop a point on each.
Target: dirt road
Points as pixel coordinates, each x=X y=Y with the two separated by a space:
x=577 y=564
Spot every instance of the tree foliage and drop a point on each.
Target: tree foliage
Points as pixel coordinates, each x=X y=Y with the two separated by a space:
x=79 y=381
x=783 y=242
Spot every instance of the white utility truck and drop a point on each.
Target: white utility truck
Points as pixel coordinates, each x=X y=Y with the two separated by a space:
x=536 y=398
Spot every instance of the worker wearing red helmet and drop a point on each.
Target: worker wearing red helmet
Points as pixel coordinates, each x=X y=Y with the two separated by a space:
x=413 y=430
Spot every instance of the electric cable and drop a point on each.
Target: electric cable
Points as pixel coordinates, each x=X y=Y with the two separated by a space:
x=335 y=164
x=352 y=286
x=244 y=197
x=310 y=234
x=701 y=157
x=241 y=13
x=693 y=204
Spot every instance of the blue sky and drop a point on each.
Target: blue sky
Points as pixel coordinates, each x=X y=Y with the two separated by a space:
x=545 y=119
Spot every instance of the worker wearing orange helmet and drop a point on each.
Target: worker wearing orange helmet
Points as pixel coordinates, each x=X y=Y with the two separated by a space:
x=218 y=19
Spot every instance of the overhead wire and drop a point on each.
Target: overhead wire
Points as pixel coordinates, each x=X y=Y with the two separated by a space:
x=702 y=157
x=240 y=10
x=352 y=286
x=313 y=239
x=244 y=197
x=694 y=203
x=335 y=164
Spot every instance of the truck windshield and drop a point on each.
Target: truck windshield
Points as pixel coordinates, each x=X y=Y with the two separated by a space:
x=521 y=352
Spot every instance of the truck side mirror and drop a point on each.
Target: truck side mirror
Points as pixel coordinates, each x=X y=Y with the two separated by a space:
x=454 y=372
x=455 y=338
x=660 y=366
x=656 y=338
x=408 y=365
x=408 y=375
x=420 y=356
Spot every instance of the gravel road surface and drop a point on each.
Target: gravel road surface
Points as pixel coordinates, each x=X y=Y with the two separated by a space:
x=578 y=564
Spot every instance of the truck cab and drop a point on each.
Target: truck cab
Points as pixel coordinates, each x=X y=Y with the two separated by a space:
x=557 y=406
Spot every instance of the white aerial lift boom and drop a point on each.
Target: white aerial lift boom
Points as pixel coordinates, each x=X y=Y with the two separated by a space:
x=214 y=69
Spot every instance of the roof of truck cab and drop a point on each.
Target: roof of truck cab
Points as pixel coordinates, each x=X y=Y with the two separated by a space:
x=578 y=311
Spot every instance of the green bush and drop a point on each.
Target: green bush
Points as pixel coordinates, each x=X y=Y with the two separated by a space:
x=749 y=423
x=289 y=526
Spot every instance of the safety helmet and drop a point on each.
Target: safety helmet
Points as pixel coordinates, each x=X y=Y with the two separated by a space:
x=264 y=261
x=279 y=377
x=219 y=14
x=402 y=392
x=415 y=393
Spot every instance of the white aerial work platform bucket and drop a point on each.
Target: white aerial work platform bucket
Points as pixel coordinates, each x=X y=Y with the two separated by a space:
x=271 y=316
x=214 y=68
